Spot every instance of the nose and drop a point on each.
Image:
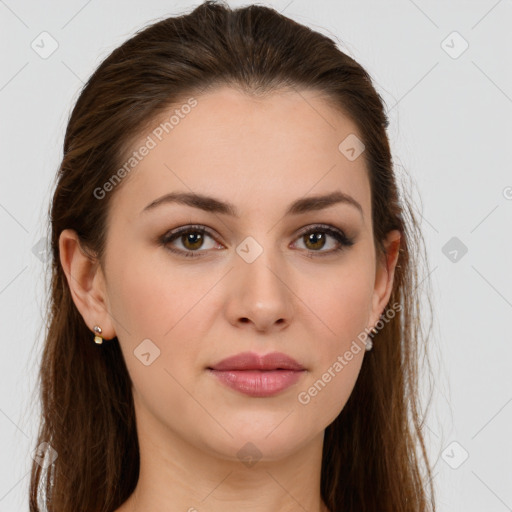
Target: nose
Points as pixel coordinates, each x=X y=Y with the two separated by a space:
x=260 y=297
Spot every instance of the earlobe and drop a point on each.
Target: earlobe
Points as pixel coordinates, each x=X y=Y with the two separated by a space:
x=384 y=275
x=86 y=283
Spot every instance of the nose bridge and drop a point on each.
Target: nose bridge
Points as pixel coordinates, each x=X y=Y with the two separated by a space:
x=259 y=262
x=262 y=292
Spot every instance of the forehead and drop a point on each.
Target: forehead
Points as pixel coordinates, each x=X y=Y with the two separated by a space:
x=258 y=151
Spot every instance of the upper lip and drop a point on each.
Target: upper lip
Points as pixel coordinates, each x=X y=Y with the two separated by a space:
x=253 y=361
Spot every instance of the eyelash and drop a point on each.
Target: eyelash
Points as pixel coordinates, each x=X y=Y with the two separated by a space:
x=337 y=234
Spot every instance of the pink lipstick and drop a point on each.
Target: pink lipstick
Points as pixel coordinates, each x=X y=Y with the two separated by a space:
x=258 y=376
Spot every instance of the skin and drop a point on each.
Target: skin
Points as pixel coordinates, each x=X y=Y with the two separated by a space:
x=260 y=154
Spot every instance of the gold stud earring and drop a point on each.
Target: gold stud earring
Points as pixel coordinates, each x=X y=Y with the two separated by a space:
x=369 y=342
x=98 y=339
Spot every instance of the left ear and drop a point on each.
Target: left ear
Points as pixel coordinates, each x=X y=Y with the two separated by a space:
x=384 y=275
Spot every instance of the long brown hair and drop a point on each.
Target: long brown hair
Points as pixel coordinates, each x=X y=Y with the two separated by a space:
x=374 y=456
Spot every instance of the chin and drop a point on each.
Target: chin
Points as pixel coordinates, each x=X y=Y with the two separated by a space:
x=257 y=443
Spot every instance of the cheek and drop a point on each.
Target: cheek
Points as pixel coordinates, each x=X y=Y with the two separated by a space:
x=150 y=302
x=150 y=298
x=340 y=314
x=341 y=304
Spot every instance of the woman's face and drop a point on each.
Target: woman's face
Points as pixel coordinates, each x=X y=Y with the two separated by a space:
x=252 y=282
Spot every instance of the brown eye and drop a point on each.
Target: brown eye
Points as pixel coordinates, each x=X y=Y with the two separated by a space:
x=191 y=239
x=317 y=237
x=317 y=240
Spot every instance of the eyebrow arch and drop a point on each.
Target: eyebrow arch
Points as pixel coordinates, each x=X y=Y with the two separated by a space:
x=212 y=205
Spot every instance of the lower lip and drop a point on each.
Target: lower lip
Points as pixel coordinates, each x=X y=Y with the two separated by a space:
x=258 y=383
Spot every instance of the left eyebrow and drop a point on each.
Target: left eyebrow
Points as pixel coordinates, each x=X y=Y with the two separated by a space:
x=210 y=204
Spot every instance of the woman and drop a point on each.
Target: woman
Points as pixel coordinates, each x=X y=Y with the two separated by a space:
x=227 y=238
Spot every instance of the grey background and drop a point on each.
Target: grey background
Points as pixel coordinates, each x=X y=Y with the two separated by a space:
x=450 y=115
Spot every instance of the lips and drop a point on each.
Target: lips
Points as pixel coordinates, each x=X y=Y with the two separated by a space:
x=258 y=376
x=252 y=361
